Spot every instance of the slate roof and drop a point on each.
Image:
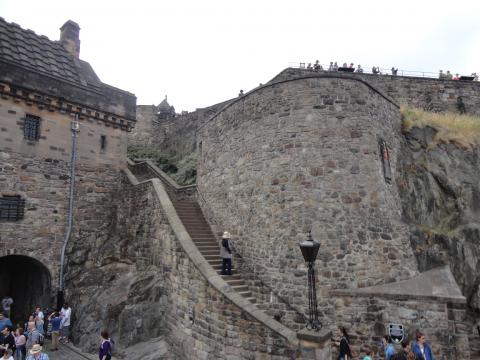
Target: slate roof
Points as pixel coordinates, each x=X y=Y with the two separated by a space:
x=38 y=63
x=40 y=54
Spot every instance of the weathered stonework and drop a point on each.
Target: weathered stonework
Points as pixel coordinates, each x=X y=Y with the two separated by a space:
x=303 y=155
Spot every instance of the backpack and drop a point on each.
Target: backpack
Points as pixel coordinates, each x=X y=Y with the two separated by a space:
x=112 y=346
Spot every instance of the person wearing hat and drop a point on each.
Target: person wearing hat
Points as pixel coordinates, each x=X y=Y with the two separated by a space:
x=226 y=254
x=7 y=355
x=35 y=353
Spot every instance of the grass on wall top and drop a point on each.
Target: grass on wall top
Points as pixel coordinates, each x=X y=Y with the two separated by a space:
x=460 y=129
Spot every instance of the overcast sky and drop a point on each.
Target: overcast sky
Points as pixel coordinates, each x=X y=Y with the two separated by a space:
x=204 y=52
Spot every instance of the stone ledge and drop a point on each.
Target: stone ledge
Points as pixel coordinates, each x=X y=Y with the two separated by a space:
x=436 y=285
x=318 y=337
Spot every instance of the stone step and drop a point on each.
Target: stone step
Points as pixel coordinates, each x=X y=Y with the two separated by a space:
x=240 y=288
x=200 y=226
x=183 y=206
x=206 y=243
x=209 y=252
x=193 y=219
x=199 y=231
x=208 y=246
x=235 y=282
x=189 y=212
x=232 y=277
x=246 y=293
x=252 y=299
x=219 y=270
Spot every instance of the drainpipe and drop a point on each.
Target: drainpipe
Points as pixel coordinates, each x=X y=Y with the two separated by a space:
x=75 y=128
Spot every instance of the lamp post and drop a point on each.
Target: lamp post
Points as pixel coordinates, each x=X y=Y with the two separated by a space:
x=309 y=250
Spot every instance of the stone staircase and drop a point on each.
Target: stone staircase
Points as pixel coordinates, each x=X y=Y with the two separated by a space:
x=199 y=230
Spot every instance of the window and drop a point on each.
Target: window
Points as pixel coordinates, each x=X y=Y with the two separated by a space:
x=31 y=128
x=11 y=208
x=103 y=142
x=385 y=157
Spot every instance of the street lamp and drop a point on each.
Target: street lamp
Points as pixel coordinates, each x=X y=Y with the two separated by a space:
x=309 y=250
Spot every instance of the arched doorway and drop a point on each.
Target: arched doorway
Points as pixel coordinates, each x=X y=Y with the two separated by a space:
x=27 y=281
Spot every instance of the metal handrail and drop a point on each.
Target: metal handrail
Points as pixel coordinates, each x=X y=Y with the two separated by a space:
x=368 y=70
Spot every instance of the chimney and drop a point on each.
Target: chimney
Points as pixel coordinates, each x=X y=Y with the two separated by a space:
x=69 y=37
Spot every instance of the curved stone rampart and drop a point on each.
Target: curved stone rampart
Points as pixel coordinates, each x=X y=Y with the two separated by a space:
x=303 y=154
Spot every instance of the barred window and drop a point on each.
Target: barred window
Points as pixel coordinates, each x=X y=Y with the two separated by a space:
x=31 y=128
x=11 y=208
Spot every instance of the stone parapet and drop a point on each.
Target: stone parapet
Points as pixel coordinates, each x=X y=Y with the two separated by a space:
x=426 y=93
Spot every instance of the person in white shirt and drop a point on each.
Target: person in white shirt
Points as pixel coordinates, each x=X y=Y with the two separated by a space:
x=65 y=314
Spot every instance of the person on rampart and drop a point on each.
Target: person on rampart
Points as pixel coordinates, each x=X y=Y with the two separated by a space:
x=359 y=69
x=448 y=75
x=456 y=77
x=441 y=75
x=335 y=66
x=375 y=70
x=330 y=68
x=317 y=66
x=394 y=71
x=226 y=254
x=309 y=66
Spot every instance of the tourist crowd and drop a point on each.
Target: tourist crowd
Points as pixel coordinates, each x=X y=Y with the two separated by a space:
x=418 y=349
x=26 y=339
x=334 y=67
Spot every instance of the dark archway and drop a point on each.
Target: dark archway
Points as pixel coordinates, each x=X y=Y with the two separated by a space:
x=27 y=281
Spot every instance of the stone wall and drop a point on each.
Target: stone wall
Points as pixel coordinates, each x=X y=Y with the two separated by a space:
x=39 y=171
x=55 y=136
x=443 y=323
x=145 y=132
x=174 y=135
x=300 y=156
x=426 y=93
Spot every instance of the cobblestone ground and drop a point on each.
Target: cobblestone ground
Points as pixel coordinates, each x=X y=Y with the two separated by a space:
x=67 y=352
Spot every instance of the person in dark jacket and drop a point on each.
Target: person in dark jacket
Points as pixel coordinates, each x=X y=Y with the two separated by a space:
x=105 y=350
x=405 y=353
x=344 y=351
x=421 y=348
x=226 y=254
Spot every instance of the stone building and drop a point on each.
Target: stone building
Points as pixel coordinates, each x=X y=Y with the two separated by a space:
x=44 y=88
